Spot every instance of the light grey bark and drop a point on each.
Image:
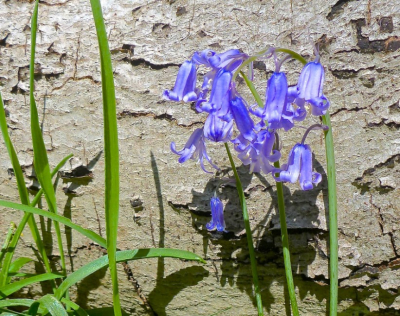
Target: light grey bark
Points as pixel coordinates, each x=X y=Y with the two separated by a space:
x=359 y=44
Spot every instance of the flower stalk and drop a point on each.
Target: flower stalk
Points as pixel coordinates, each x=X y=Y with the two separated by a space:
x=285 y=245
x=249 y=237
x=333 y=226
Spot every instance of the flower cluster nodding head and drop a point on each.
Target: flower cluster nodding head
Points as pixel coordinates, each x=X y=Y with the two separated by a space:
x=225 y=108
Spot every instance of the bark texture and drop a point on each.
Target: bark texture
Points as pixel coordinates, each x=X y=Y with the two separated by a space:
x=164 y=204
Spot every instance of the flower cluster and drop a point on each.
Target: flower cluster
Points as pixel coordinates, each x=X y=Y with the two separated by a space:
x=257 y=127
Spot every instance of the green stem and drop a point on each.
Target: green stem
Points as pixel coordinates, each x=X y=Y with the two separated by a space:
x=260 y=53
x=333 y=226
x=282 y=217
x=252 y=89
x=285 y=245
x=248 y=234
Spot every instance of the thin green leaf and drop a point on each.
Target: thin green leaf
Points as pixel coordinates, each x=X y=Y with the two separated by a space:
x=16 y=302
x=4 y=248
x=123 y=256
x=40 y=160
x=58 y=218
x=78 y=310
x=24 y=197
x=16 y=286
x=111 y=151
x=51 y=304
x=19 y=263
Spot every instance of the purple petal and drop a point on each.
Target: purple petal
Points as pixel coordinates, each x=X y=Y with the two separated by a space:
x=319 y=105
x=275 y=99
x=217 y=215
x=292 y=170
x=185 y=84
x=216 y=129
x=242 y=118
x=203 y=57
x=219 y=97
x=311 y=81
x=306 y=169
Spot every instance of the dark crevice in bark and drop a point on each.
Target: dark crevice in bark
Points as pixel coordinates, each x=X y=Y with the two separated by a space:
x=391 y=44
x=356 y=109
x=337 y=9
x=383 y=122
x=364 y=182
x=144 y=63
x=348 y=73
x=163 y=116
x=3 y=41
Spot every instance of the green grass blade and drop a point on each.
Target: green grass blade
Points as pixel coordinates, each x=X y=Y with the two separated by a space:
x=111 y=152
x=35 y=232
x=55 y=217
x=18 y=264
x=78 y=310
x=19 y=176
x=122 y=256
x=24 y=197
x=40 y=160
x=6 y=244
x=16 y=302
x=16 y=286
x=333 y=225
x=49 y=303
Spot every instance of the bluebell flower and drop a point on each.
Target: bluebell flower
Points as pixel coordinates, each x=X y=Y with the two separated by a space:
x=185 y=85
x=219 y=98
x=310 y=87
x=217 y=215
x=259 y=154
x=299 y=167
x=240 y=113
x=216 y=129
x=276 y=102
x=203 y=57
x=195 y=148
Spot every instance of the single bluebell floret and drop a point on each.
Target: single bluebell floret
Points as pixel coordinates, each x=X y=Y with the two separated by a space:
x=217 y=215
x=216 y=129
x=240 y=113
x=259 y=154
x=275 y=102
x=310 y=87
x=219 y=98
x=195 y=148
x=299 y=167
x=185 y=85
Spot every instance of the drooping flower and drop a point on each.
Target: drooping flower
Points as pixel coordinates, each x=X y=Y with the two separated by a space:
x=310 y=87
x=259 y=154
x=275 y=102
x=217 y=215
x=216 y=129
x=240 y=113
x=299 y=167
x=185 y=84
x=219 y=98
x=195 y=148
